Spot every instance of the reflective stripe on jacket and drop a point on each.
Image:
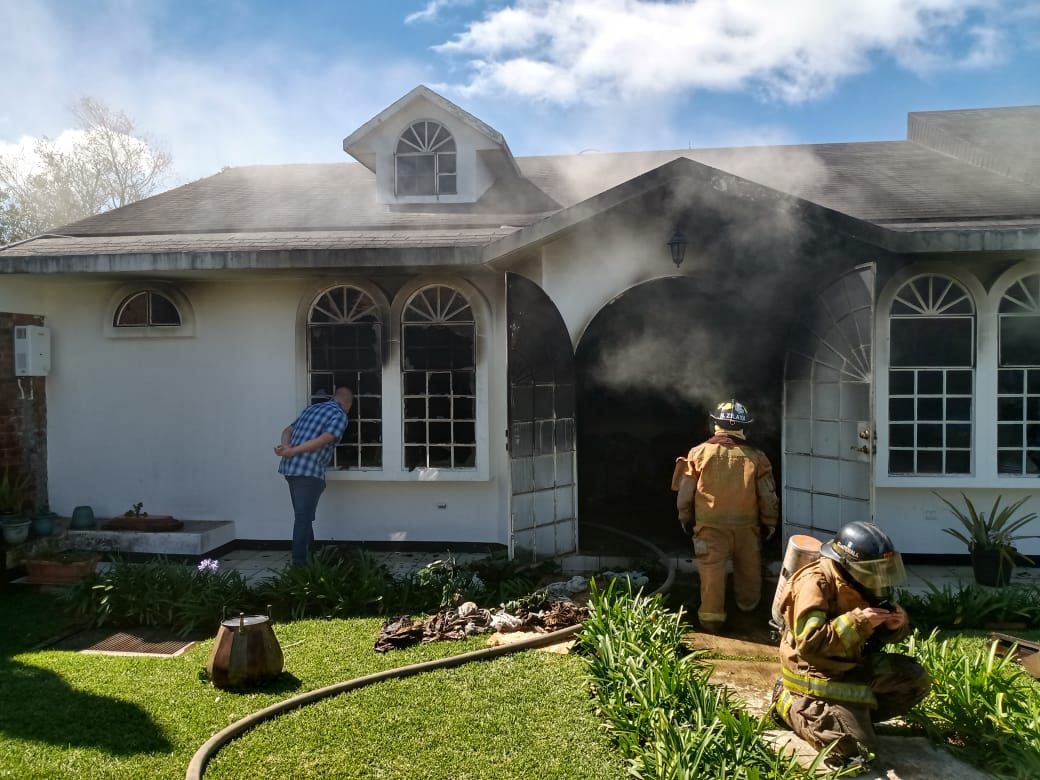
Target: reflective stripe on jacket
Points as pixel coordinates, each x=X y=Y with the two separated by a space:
x=725 y=482
x=822 y=651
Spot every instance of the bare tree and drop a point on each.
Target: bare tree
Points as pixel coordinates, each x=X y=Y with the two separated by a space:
x=103 y=165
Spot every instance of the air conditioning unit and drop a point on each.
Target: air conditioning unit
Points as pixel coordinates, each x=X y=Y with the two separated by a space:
x=32 y=350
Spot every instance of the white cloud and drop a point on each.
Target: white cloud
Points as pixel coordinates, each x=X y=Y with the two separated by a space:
x=589 y=51
x=432 y=10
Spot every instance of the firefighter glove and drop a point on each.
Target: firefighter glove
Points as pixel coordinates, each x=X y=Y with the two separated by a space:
x=688 y=527
x=768 y=532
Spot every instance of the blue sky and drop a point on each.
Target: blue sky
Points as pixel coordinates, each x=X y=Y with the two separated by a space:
x=242 y=82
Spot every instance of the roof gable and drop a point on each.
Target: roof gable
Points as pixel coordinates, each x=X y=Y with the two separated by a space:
x=362 y=143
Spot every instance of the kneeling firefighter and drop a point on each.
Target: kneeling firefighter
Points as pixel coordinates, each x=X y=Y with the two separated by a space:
x=726 y=494
x=836 y=681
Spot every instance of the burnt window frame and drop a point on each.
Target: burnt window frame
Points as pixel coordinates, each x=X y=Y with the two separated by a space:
x=927 y=400
x=172 y=295
x=440 y=379
x=346 y=311
x=439 y=148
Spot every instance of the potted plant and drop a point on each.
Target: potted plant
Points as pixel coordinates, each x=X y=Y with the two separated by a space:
x=14 y=498
x=136 y=519
x=43 y=521
x=991 y=538
x=55 y=566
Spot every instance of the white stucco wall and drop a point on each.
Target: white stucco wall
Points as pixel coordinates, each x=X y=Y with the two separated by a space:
x=187 y=425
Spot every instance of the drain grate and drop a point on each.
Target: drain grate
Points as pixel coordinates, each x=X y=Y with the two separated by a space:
x=124 y=643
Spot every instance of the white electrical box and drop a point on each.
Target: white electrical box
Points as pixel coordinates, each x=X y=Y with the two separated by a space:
x=32 y=350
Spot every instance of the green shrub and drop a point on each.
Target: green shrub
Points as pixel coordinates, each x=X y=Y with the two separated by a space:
x=668 y=719
x=984 y=707
x=969 y=606
x=161 y=593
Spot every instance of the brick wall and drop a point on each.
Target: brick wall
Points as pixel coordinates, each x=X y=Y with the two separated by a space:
x=23 y=411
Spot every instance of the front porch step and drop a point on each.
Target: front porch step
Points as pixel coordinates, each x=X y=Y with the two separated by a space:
x=195 y=537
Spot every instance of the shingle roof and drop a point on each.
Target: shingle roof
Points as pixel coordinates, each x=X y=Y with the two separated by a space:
x=902 y=184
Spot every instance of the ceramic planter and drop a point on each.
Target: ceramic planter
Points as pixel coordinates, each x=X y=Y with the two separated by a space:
x=43 y=523
x=15 y=529
x=991 y=568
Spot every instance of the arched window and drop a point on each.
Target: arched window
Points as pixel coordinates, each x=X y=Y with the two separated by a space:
x=344 y=339
x=438 y=376
x=1018 y=378
x=146 y=308
x=931 y=378
x=425 y=160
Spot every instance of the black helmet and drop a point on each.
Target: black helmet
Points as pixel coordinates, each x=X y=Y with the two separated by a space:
x=867 y=554
x=731 y=414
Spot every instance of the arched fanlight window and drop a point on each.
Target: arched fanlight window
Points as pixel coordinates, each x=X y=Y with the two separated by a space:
x=344 y=339
x=146 y=309
x=438 y=376
x=931 y=377
x=425 y=160
x=1018 y=379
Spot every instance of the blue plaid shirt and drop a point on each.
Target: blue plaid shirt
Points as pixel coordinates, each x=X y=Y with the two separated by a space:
x=316 y=419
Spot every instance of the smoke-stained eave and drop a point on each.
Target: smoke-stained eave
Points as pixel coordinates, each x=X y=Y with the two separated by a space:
x=297 y=259
x=678 y=176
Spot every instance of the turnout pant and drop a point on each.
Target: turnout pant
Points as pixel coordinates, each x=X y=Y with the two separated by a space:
x=898 y=683
x=714 y=547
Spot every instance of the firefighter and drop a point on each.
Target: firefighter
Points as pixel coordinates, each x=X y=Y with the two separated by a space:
x=836 y=681
x=726 y=494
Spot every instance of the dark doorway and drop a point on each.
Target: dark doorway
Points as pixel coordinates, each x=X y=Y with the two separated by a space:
x=650 y=367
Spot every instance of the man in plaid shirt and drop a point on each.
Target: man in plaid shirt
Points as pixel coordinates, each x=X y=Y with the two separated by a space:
x=306 y=450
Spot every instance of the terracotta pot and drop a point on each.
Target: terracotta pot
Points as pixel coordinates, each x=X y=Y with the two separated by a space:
x=246 y=652
x=43 y=571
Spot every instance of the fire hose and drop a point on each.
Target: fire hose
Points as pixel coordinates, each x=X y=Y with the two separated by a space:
x=202 y=756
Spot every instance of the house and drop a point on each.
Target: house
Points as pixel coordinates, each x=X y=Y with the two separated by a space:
x=533 y=340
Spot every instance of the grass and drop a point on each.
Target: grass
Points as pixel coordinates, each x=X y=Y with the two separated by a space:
x=89 y=716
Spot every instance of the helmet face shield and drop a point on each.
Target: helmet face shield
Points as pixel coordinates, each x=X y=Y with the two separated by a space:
x=879 y=577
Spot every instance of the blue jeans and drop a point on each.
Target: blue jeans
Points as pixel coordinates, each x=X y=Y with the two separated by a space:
x=304 y=493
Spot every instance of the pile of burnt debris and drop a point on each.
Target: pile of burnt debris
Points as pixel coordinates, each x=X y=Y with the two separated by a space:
x=555 y=607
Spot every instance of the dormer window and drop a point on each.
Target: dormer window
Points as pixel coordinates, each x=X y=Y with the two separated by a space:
x=425 y=160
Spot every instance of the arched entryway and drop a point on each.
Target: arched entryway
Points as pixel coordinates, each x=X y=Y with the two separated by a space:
x=650 y=366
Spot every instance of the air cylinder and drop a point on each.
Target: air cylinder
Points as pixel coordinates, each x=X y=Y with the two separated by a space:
x=801 y=549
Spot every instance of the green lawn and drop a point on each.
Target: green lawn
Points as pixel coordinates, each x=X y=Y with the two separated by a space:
x=67 y=714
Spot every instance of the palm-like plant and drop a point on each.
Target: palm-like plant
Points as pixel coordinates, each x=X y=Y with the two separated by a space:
x=996 y=531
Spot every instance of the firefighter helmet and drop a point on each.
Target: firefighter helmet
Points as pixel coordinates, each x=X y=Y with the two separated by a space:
x=731 y=414
x=867 y=554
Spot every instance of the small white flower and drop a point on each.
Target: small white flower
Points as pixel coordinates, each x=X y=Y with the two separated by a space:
x=210 y=565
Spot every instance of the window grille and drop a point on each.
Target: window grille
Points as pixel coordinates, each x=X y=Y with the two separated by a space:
x=344 y=337
x=1018 y=379
x=438 y=376
x=931 y=378
x=426 y=161
x=146 y=309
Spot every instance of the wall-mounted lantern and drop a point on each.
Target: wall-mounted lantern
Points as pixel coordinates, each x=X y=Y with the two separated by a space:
x=677 y=244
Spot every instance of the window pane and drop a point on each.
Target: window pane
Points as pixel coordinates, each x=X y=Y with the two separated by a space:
x=901 y=462
x=133 y=312
x=959 y=382
x=929 y=409
x=901 y=408
x=1010 y=409
x=958 y=409
x=1010 y=381
x=1020 y=341
x=1009 y=435
x=448 y=185
x=931 y=341
x=929 y=463
x=901 y=435
x=930 y=382
x=163 y=311
x=958 y=463
x=901 y=382
x=958 y=435
x=929 y=436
